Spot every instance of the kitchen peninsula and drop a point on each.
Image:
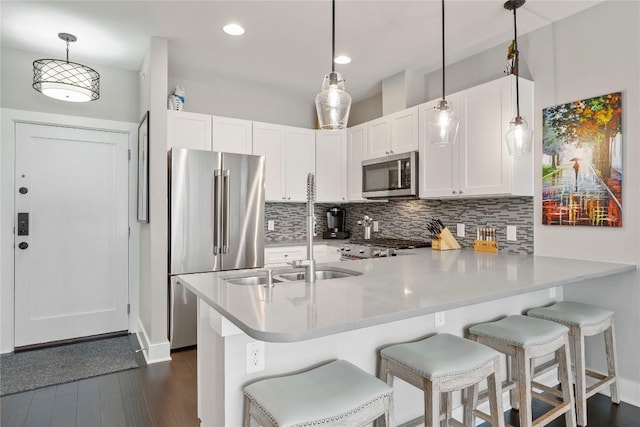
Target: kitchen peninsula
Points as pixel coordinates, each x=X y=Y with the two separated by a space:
x=393 y=300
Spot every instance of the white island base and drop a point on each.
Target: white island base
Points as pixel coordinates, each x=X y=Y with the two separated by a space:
x=222 y=354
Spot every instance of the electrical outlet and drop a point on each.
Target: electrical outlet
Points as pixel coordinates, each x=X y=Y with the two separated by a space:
x=375 y=227
x=438 y=319
x=511 y=233
x=271 y=225
x=460 y=230
x=552 y=292
x=255 y=356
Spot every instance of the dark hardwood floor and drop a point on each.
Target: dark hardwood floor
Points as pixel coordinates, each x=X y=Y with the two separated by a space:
x=164 y=394
x=161 y=394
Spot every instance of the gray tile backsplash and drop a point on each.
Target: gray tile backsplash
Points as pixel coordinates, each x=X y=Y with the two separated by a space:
x=407 y=219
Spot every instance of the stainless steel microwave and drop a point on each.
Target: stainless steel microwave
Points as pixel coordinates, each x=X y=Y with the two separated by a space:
x=391 y=176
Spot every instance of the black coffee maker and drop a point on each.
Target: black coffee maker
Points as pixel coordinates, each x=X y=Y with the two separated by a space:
x=337 y=223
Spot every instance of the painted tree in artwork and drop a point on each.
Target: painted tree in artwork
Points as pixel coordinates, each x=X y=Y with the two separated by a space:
x=595 y=122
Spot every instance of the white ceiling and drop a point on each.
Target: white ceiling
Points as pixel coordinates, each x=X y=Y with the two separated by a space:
x=287 y=43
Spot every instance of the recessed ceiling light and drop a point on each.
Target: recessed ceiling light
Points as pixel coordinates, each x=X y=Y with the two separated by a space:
x=342 y=59
x=233 y=29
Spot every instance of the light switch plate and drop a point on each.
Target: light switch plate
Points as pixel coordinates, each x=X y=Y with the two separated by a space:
x=511 y=233
x=375 y=227
x=271 y=225
x=460 y=230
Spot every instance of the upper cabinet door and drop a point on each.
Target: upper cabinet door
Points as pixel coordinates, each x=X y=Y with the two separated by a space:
x=484 y=159
x=439 y=167
x=232 y=135
x=356 y=153
x=404 y=131
x=268 y=141
x=331 y=165
x=300 y=160
x=188 y=130
x=378 y=138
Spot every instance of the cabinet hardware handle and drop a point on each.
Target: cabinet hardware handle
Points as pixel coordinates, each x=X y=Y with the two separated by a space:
x=391 y=151
x=454 y=192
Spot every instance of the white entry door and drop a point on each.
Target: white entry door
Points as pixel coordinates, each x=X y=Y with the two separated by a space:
x=71 y=233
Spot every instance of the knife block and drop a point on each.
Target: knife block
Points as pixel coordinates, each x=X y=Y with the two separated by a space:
x=446 y=241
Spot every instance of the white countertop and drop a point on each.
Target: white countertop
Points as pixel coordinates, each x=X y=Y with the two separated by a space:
x=389 y=289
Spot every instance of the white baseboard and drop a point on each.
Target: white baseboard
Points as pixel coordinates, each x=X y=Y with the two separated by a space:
x=628 y=391
x=153 y=353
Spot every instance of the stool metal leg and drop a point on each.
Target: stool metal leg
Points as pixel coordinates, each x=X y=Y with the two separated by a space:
x=612 y=360
x=247 y=412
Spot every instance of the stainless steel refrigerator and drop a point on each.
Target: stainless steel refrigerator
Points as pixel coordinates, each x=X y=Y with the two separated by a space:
x=216 y=222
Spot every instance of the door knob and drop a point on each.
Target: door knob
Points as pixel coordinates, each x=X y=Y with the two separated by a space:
x=23 y=245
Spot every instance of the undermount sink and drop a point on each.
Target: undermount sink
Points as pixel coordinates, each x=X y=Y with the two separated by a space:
x=291 y=276
x=250 y=280
x=323 y=274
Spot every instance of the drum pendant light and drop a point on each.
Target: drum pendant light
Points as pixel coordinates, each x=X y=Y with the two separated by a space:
x=64 y=80
x=519 y=136
x=333 y=102
x=443 y=121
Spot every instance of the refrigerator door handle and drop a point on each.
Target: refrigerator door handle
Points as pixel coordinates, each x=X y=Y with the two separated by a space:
x=226 y=200
x=216 y=212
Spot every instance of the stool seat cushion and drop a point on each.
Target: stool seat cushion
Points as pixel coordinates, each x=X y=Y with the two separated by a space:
x=572 y=313
x=324 y=395
x=440 y=356
x=522 y=331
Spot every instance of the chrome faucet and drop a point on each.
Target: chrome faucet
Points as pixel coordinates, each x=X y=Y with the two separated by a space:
x=309 y=264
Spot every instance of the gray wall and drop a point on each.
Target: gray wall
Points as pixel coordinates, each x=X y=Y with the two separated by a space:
x=244 y=100
x=118 y=90
x=153 y=236
x=575 y=60
x=366 y=110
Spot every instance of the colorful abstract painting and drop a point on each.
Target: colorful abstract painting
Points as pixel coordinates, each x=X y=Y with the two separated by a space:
x=582 y=162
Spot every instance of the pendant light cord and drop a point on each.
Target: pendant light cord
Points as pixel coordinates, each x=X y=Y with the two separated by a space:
x=333 y=36
x=516 y=60
x=67 y=51
x=443 y=91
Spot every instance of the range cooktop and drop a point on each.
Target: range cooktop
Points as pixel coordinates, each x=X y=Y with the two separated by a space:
x=393 y=243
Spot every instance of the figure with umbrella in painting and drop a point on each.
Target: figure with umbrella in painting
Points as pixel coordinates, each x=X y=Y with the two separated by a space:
x=576 y=168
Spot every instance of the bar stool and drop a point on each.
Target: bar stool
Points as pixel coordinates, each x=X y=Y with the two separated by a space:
x=441 y=364
x=337 y=393
x=585 y=320
x=523 y=339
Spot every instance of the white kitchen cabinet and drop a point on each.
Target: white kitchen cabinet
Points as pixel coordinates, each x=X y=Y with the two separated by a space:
x=280 y=256
x=205 y=132
x=331 y=166
x=232 y=135
x=393 y=134
x=356 y=153
x=478 y=164
x=283 y=255
x=188 y=130
x=290 y=156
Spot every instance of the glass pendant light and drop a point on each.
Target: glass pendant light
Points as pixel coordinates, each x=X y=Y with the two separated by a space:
x=333 y=102
x=519 y=136
x=64 y=80
x=443 y=121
